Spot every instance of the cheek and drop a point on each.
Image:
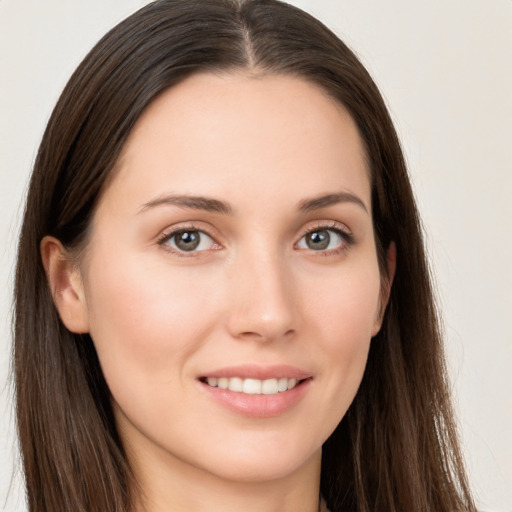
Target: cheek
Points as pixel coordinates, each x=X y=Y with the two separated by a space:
x=143 y=320
x=348 y=306
x=342 y=320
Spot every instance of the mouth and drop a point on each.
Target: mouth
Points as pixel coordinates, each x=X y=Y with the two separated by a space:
x=250 y=386
x=257 y=391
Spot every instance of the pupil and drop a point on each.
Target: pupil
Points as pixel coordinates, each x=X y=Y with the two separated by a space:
x=188 y=240
x=318 y=240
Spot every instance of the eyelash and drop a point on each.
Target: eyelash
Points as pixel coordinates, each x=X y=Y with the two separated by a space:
x=343 y=232
x=168 y=235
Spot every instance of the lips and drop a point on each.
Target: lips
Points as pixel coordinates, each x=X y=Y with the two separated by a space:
x=257 y=391
x=251 y=371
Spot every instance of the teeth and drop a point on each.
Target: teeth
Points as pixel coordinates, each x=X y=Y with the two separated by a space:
x=253 y=386
x=282 y=384
x=269 y=387
x=236 y=384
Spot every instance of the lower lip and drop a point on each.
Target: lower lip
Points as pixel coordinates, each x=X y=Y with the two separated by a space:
x=258 y=406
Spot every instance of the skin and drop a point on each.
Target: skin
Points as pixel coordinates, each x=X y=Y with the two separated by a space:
x=254 y=292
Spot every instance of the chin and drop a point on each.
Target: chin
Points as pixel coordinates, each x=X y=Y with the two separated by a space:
x=264 y=466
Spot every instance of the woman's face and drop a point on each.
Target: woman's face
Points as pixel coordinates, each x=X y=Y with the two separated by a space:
x=234 y=248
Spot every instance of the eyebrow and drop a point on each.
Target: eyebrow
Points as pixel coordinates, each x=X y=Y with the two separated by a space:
x=185 y=201
x=216 y=206
x=327 y=200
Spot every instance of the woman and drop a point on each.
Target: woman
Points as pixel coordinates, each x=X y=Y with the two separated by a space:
x=222 y=300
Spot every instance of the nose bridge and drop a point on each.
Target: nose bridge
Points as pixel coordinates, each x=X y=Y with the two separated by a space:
x=262 y=293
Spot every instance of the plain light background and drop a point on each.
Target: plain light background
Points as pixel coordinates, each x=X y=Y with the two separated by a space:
x=445 y=69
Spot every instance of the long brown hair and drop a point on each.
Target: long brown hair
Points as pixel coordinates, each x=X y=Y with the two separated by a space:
x=396 y=449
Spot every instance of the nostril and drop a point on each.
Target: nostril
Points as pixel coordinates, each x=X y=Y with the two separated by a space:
x=266 y=335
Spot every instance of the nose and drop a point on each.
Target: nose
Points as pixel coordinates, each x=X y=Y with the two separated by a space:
x=263 y=303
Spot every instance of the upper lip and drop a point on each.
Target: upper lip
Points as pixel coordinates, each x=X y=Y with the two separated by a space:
x=251 y=371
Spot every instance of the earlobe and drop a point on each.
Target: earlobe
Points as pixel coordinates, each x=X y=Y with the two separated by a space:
x=386 y=284
x=66 y=285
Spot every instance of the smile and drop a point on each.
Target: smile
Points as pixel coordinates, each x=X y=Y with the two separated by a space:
x=253 y=386
x=257 y=391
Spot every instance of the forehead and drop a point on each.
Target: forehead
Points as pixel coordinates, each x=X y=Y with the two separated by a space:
x=222 y=134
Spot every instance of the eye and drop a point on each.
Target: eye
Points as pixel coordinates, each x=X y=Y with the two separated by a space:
x=188 y=240
x=323 y=240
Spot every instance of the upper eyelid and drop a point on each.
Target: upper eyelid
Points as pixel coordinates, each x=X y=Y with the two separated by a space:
x=334 y=225
x=169 y=232
x=342 y=230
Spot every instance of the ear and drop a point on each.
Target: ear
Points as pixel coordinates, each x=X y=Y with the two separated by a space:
x=66 y=285
x=385 y=287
